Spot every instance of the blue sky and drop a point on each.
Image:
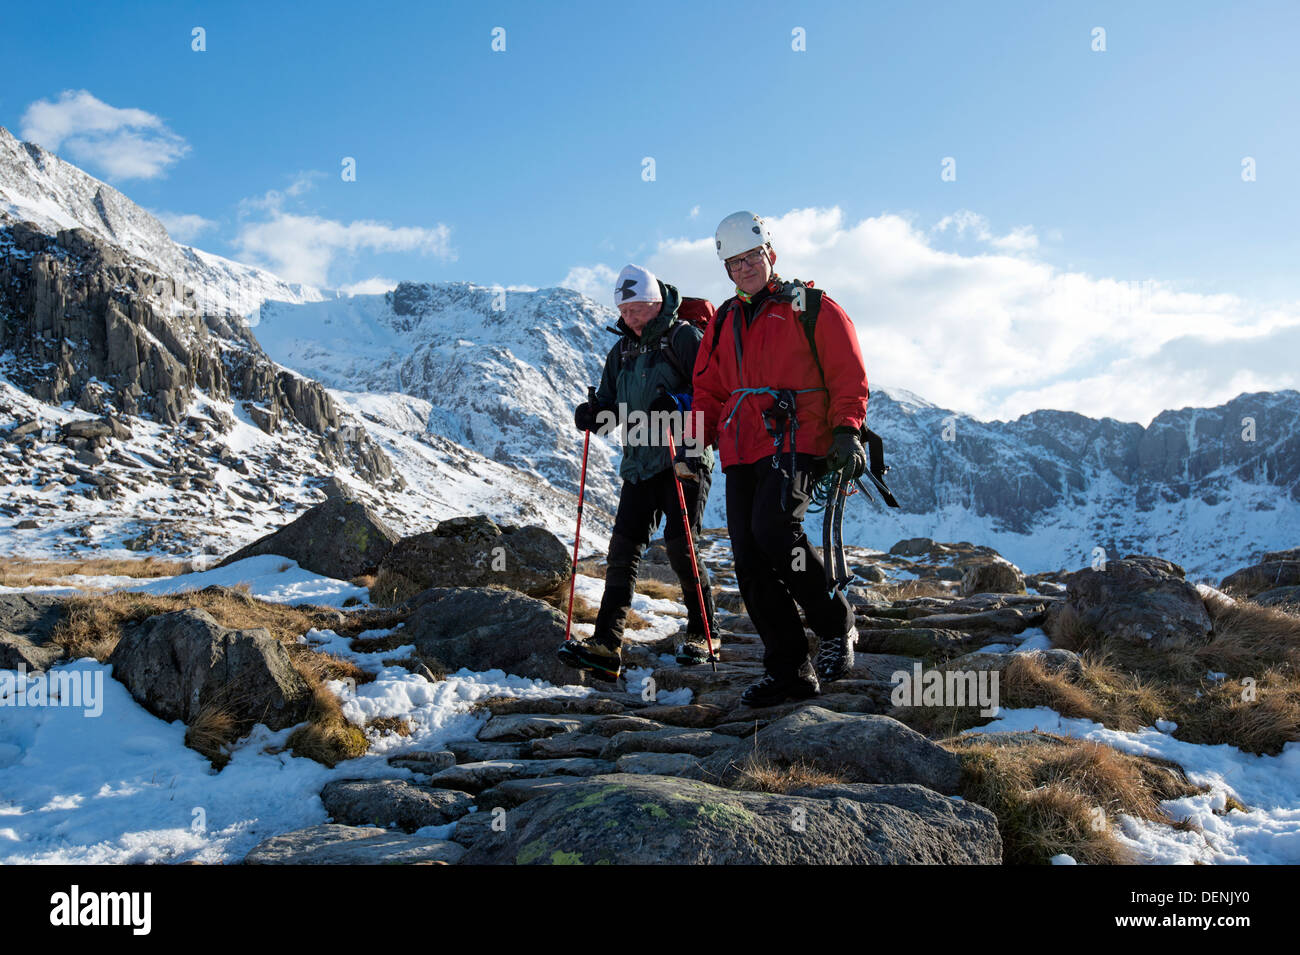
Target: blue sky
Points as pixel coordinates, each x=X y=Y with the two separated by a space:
x=520 y=167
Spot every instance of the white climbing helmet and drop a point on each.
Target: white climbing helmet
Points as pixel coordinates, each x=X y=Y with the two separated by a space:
x=740 y=232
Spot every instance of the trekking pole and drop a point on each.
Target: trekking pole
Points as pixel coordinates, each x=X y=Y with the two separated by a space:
x=690 y=545
x=577 y=531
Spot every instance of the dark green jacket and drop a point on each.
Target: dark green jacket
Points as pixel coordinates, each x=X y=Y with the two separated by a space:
x=636 y=369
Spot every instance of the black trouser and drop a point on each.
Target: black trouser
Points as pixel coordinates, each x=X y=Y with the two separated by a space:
x=641 y=506
x=775 y=564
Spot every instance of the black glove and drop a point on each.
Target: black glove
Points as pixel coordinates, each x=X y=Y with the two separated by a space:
x=847 y=453
x=584 y=416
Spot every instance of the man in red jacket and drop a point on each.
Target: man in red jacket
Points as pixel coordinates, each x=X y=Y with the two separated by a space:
x=783 y=417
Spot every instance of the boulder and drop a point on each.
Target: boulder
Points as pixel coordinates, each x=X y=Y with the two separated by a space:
x=1267 y=575
x=992 y=577
x=474 y=552
x=1142 y=600
x=389 y=803
x=1053 y=660
x=176 y=664
x=351 y=845
x=27 y=623
x=689 y=741
x=859 y=748
x=627 y=819
x=423 y=760
x=490 y=628
x=912 y=547
x=337 y=538
x=475 y=777
x=1278 y=597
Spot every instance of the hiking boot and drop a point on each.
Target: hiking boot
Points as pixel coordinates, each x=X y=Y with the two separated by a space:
x=693 y=651
x=772 y=690
x=835 y=657
x=589 y=654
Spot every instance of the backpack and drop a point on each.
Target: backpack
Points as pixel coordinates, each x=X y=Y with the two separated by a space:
x=695 y=312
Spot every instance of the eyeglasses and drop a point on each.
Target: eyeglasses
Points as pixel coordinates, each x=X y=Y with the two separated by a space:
x=745 y=261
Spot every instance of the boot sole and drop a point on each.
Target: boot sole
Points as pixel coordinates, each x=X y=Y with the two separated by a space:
x=787 y=698
x=573 y=658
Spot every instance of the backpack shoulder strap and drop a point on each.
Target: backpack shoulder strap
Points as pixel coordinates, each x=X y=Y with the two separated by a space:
x=812 y=303
x=669 y=350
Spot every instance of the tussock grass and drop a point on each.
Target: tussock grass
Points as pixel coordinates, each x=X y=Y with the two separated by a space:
x=1255 y=706
x=759 y=774
x=1046 y=793
x=383 y=725
x=1023 y=684
x=211 y=732
x=328 y=737
x=31 y=572
x=92 y=625
x=659 y=590
x=584 y=611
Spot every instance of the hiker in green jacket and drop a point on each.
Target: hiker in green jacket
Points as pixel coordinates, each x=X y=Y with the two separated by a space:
x=648 y=370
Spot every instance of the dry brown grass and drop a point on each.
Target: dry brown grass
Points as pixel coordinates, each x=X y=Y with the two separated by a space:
x=1024 y=683
x=211 y=731
x=92 y=625
x=659 y=590
x=328 y=737
x=584 y=611
x=1256 y=706
x=759 y=774
x=383 y=725
x=1046 y=795
x=29 y=572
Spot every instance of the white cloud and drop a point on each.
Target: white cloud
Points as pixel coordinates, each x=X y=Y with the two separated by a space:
x=997 y=334
x=123 y=143
x=695 y=212
x=375 y=285
x=596 y=282
x=184 y=227
x=302 y=248
x=1020 y=239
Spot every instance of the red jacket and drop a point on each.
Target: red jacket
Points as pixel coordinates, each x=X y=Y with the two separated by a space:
x=775 y=354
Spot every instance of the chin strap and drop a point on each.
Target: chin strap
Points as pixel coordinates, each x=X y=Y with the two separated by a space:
x=774 y=284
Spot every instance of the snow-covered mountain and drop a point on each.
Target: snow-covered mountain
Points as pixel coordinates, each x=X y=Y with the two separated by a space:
x=138 y=410
x=501 y=370
x=37 y=186
x=1047 y=489
x=444 y=399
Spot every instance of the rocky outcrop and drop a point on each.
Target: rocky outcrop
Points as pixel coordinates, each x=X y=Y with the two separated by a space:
x=487 y=628
x=627 y=819
x=992 y=577
x=856 y=748
x=389 y=803
x=90 y=324
x=27 y=623
x=352 y=845
x=1275 y=570
x=1139 y=599
x=178 y=664
x=475 y=552
x=337 y=538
